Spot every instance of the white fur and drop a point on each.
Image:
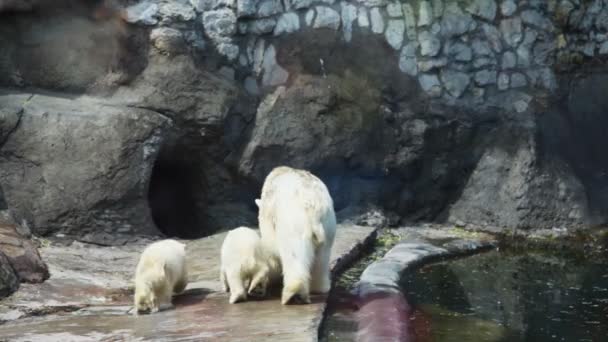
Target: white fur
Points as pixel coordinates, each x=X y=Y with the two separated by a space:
x=245 y=262
x=298 y=222
x=160 y=273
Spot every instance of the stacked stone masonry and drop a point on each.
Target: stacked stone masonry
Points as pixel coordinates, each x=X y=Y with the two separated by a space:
x=455 y=49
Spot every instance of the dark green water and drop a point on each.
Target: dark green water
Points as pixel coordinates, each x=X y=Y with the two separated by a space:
x=510 y=296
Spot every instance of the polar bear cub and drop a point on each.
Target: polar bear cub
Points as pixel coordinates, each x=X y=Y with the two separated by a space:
x=298 y=223
x=160 y=273
x=245 y=262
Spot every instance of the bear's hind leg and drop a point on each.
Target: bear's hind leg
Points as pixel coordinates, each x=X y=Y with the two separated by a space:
x=320 y=275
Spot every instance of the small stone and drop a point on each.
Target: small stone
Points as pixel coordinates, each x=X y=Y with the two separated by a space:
x=493 y=36
x=326 y=18
x=251 y=86
x=274 y=74
x=534 y=18
x=425 y=14
x=511 y=30
x=377 y=21
x=407 y=59
x=437 y=8
x=523 y=57
x=430 y=84
x=394 y=10
x=460 y=52
x=588 y=49
x=503 y=81
x=455 y=82
x=258 y=56
x=509 y=60
x=604 y=48
x=145 y=13
x=394 y=33
x=460 y=223
x=207 y=5
x=430 y=64
x=533 y=76
x=455 y=22
x=478 y=94
x=269 y=8
x=228 y=50
x=243 y=60
x=485 y=9
x=288 y=22
x=547 y=78
x=297 y=4
x=485 y=77
x=373 y=3
x=219 y=23
x=362 y=18
x=410 y=21
x=483 y=62
x=508 y=7
x=518 y=80
x=429 y=44
x=261 y=26
x=520 y=106
x=310 y=16
x=349 y=14
x=172 y=11
x=167 y=40
x=481 y=48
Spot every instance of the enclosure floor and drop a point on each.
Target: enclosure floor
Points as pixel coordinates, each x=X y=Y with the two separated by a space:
x=89 y=295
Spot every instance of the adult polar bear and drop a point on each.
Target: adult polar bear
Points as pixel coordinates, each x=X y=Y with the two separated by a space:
x=298 y=224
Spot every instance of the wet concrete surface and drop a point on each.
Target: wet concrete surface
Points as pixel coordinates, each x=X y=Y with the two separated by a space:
x=89 y=297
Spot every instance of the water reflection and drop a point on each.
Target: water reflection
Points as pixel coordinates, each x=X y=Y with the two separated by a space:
x=509 y=296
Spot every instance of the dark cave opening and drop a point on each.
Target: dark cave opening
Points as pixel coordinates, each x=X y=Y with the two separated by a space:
x=176 y=197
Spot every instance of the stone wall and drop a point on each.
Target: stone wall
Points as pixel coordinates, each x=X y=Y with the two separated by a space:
x=464 y=52
x=479 y=112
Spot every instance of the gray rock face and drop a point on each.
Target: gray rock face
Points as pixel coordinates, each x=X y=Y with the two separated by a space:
x=524 y=184
x=110 y=165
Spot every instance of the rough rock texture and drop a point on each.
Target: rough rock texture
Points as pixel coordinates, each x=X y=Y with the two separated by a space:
x=22 y=254
x=80 y=165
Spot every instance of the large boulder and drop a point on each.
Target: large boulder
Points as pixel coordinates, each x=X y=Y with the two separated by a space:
x=193 y=190
x=22 y=254
x=78 y=165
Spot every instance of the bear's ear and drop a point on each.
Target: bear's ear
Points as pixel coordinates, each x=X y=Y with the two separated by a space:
x=258 y=202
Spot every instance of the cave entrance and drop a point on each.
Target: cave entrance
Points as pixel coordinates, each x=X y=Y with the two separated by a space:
x=176 y=196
